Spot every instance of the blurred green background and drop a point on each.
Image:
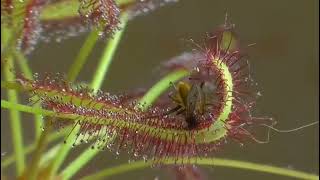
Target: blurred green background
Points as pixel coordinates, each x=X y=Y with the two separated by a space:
x=284 y=62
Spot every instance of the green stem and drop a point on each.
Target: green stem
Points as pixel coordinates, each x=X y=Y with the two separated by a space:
x=160 y=87
x=83 y=55
x=23 y=108
x=23 y=64
x=33 y=110
x=15 y=120
x=108 y=54
x=33 y=169
x=205 y=161
x=12 y=85
x=6 y=34
x=49 y=155
x=95 y=85
x=26 y=70
x=31 y=147
x=78 y=163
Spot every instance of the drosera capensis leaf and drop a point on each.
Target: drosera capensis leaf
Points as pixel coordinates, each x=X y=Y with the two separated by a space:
x=32 y=20
x=149 y=133
x=69 y=9
x=83 y=97
x=63 y=19
x=156 y=132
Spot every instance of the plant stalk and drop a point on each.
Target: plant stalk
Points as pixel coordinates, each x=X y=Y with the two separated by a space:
x=15 y=119
x=216 y=162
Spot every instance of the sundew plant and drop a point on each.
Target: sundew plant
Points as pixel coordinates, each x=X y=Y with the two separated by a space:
x=201 y=111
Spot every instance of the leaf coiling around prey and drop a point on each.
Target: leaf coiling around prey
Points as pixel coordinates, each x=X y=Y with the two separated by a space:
x=214 y=97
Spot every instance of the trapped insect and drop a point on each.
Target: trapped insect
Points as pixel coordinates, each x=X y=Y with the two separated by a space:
x=191 y=102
